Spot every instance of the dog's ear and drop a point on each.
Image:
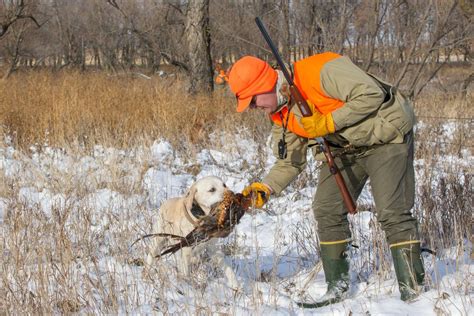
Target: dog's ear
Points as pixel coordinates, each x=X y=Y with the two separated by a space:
x=189 y=197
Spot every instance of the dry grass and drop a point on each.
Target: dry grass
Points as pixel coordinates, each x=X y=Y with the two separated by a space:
x=72 y=108
x=119 y=111
x=60 y=109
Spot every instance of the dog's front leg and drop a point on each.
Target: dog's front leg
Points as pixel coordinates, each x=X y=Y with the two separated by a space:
x=154 y=250
x=219 y=260
x=184 y=266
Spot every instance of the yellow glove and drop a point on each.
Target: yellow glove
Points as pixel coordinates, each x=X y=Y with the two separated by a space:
x=259 y=192
x=318 y=125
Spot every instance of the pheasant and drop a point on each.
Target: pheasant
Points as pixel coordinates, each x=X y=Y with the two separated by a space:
x=218 y=224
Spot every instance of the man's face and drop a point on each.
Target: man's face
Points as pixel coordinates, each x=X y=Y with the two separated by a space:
x=265 y=101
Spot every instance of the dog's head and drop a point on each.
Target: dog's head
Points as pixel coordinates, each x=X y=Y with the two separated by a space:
x=205 y=193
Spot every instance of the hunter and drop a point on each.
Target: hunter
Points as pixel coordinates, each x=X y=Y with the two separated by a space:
x=369 y=126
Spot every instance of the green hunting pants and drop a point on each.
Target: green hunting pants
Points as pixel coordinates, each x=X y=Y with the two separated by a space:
x=390 y=170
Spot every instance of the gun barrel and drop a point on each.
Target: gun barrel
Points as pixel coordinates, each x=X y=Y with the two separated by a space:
x=269 y=41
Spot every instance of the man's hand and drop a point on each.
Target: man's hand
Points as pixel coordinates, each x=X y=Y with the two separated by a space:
x=318 y=125
x=259 y=192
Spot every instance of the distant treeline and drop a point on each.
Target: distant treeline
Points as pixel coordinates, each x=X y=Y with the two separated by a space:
x=407 y=40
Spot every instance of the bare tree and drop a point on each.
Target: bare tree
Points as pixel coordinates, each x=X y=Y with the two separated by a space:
x=422 y=52
x=14 y=48
x=406 y=41
x=16 y=21
x=14 y=11
x=199 y=46
x=285 y=41
x=69 y=25
x=378 y=12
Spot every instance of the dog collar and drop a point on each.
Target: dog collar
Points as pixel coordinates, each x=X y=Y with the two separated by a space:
x=194 y=214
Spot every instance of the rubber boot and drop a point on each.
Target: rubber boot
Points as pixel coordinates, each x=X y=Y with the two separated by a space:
x=409 y=270
x=336 y=271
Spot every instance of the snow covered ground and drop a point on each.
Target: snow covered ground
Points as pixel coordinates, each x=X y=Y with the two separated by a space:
x=68 y=220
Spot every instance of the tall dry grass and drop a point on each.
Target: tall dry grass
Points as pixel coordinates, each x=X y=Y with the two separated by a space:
x=60 y=109
x=96 y=108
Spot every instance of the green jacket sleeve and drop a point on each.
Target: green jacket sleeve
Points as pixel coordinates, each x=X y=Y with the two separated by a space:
x=284 y=171
x=343 y=80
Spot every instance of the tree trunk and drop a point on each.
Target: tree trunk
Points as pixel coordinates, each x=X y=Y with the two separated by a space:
x=286 y=40
x=199 y=46
x=465 y=85
x=15 y=55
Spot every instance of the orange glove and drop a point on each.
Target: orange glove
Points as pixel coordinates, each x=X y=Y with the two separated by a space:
x=318 y=125
x=259 y=192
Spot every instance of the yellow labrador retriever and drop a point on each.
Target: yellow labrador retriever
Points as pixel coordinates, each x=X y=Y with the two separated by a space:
x=178 y=216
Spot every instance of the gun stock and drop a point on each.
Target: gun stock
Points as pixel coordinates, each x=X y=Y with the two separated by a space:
x=300 y=101
x=334 y=170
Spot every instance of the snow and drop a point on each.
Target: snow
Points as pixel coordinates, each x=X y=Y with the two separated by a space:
x=274 y=253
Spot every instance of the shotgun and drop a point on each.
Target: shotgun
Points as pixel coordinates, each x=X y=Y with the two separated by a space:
x=306 y=111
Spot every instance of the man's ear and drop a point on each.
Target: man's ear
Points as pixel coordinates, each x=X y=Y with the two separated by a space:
x=285 y=90
x=189 y=197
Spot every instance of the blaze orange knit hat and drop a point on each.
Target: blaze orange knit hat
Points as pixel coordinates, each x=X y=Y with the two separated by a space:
x=250 y=76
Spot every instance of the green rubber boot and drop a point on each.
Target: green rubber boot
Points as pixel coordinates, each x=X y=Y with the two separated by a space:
x=409 y=270
x=336 y=271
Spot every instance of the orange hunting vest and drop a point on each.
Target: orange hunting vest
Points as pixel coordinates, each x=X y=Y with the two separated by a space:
x=293 y=124
x=308 y=80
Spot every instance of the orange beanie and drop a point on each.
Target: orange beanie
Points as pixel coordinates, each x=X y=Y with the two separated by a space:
x=250 y=76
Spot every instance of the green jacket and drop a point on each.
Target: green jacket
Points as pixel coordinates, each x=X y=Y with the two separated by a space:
x=374 y=113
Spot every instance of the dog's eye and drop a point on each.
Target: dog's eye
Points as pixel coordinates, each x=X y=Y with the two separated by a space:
x=212 y=190
x=225 y=186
